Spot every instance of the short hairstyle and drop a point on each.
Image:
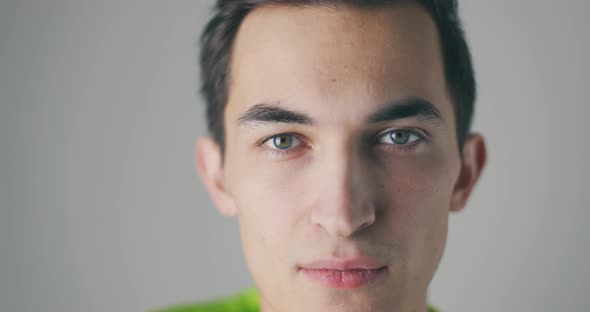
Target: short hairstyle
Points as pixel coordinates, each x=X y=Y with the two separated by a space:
x=219 y=34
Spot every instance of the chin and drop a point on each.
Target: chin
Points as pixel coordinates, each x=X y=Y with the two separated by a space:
x=338 y=300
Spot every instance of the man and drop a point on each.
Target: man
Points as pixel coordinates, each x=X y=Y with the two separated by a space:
x=340 y=140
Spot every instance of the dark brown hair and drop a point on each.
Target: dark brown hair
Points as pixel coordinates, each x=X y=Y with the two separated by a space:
x=219 y=34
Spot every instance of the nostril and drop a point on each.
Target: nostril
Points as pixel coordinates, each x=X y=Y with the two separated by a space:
x=368 y=222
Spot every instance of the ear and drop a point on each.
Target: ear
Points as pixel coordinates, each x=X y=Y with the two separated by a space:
x=472 y=164
x=210 y=168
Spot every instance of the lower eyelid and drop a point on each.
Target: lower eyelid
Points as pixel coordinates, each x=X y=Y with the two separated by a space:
x=399 y=148
x=285 y=154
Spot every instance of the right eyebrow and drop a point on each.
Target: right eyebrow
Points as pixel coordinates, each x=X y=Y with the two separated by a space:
x=272 y=113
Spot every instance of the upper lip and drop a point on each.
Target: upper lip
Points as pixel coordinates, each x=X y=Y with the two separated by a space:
x=361 y=262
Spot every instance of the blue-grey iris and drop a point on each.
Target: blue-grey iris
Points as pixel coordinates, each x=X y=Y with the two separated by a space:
x=283 y=141
x=400 y=137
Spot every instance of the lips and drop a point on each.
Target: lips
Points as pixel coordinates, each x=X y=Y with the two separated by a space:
x=338 y=273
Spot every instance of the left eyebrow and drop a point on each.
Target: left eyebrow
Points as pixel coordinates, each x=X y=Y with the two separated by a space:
x=410 y=107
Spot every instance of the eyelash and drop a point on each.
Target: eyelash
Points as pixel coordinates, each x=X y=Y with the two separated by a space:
x=282 y=153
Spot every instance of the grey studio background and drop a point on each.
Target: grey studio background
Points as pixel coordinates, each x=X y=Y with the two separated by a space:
x=101 y=209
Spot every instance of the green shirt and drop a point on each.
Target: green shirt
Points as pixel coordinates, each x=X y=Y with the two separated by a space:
x=246 y=301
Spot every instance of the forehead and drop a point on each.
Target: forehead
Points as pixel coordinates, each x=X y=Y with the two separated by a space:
x=336 y=56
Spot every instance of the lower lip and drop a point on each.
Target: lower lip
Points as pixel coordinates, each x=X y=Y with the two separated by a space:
x=343 y=278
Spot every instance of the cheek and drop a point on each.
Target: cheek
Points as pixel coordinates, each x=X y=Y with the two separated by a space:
x=416 y=194
x=269 y=209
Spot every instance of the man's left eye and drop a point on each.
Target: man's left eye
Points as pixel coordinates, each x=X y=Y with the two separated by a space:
x=399 y=137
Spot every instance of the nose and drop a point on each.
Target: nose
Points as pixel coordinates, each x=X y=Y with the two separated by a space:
x=345 y=206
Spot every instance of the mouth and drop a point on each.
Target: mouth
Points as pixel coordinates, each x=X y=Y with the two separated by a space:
x=343 y=274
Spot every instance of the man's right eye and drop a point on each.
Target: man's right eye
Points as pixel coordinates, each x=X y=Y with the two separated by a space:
x=283 y=142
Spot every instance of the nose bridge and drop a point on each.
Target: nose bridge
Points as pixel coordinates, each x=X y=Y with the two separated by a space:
x=345 y=205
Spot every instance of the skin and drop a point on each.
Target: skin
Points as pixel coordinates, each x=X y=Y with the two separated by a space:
x=342 y=188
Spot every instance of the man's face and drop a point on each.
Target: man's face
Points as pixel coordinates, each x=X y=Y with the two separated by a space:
x=341 y=158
